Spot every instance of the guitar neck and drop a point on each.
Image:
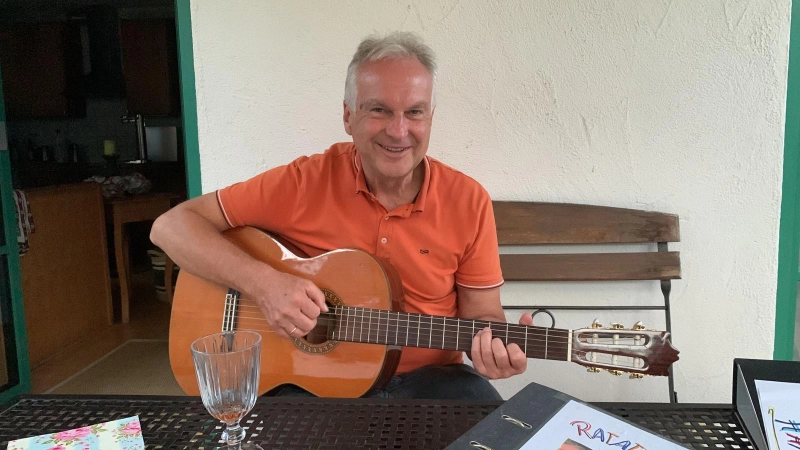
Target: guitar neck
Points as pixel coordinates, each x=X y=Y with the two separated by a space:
x=375 y=326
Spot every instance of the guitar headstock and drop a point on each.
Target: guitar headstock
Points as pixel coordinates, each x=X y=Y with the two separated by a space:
x=637 y=351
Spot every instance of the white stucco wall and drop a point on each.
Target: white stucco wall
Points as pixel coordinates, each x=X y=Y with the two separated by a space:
x=673 y=106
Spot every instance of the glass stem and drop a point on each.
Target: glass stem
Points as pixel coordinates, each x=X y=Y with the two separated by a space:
x=233 y=435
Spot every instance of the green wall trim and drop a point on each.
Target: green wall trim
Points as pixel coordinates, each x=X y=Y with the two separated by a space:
x=183 y=20
x=14 y=273
x=789 y=244
x=5 y=397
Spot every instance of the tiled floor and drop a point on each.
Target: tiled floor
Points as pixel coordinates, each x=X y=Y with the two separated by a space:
x=149 y=320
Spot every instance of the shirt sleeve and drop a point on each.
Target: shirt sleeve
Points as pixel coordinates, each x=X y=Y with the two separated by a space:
x=480 y=266
x=266 y=201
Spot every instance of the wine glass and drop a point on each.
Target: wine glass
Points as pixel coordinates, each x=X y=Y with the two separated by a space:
x=227 y=367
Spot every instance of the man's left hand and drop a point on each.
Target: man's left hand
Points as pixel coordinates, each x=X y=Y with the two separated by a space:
x=495 y=360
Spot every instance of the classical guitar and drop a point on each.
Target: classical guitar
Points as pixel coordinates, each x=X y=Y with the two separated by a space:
x=364 y=295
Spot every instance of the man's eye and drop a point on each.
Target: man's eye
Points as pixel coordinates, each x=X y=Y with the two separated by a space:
x=416 y=112
x=378 y=110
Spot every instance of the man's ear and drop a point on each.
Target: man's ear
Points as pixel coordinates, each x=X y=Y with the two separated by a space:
x=346 y=118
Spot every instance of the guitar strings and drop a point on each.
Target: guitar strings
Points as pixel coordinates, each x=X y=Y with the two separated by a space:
x=534 y=345
x=515 y=330
x=535 y=351
x=526 y=339
x=553 y=354
x=377 y=326
x=538 y=350
x=351 y=327
x=349 y=324
x=423 y=324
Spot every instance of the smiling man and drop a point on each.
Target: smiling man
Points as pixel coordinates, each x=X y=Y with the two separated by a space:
x=382 y=194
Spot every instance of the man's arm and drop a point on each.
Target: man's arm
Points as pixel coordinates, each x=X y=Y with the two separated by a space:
x=491 y=357
x=191 y=234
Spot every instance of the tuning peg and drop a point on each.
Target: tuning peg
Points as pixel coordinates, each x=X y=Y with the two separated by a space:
x=594 y=370
x=597 y=324
x=615 y=372
x=638 y=326
x=636 y=376
x=617 y=326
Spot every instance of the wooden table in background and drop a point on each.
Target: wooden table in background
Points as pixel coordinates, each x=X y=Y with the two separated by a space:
x=120 y=211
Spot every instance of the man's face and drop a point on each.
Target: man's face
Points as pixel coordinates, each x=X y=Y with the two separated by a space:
x=391 y=124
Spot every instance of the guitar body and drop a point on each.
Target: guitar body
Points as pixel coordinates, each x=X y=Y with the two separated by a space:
x=324 y=367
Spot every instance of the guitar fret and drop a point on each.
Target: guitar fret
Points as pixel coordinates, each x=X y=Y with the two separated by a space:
x=406 y=320
x=351 y=322
x=444 y=330
x=369 y=329
x=335 y=327
x=430 y=334
x=397 y=328
x=338 y=325
x=419 y=324
x=339 y=328
x=377 y=326
x=546 y=335
x=386 y=339
x=361 y=328
x=526 y=341
x=458 y=333
x=378 y=330
x=348 y=333
x=346 y=324
x=225 y=312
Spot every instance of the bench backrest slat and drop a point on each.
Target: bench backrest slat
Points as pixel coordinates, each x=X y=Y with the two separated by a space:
x=528 y=223
x=533 y=223
x=591 y=266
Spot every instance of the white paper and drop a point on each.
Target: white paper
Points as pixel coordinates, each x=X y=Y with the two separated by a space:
x=578 y=427
x=780 y=409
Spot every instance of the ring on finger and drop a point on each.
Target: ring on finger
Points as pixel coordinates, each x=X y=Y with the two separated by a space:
x=293 y=330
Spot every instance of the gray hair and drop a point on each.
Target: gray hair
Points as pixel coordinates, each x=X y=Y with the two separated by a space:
x=400 y=44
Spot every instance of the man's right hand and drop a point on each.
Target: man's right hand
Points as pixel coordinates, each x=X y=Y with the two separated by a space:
x=287 y=301
x=291 y=304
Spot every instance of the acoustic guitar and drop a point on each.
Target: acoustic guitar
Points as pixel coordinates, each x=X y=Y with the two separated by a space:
x=364 y=296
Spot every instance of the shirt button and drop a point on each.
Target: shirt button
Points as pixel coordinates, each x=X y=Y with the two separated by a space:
x=383 y=240
x=386 y=218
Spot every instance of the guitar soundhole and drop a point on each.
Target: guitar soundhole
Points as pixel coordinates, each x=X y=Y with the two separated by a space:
x=318 y=335
x=317 y=342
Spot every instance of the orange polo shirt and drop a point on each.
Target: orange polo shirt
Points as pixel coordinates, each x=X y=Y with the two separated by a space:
x=319 y=203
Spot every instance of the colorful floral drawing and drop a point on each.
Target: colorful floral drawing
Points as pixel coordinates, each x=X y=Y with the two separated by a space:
x=123 y=434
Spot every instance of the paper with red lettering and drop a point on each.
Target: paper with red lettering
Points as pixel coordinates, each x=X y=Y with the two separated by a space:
x=579 y=427
x=780 y=409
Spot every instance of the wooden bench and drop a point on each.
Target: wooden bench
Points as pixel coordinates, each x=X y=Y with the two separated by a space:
x=532 y=223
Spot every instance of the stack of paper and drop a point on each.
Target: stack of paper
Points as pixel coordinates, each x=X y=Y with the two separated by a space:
x=780 y=409
x=578 y=427
x=120 y=434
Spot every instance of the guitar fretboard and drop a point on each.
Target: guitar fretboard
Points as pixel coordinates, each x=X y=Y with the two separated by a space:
x=378 y=326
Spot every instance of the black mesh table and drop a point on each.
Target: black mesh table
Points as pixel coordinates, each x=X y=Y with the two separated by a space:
x=289 y=423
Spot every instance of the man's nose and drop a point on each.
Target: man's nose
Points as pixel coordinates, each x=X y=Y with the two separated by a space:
x=397 y=127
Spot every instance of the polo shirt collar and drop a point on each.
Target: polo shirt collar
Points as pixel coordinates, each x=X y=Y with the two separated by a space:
x=419 y=203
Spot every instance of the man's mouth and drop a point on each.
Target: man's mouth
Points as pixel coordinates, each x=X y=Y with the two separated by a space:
x=394 y=149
